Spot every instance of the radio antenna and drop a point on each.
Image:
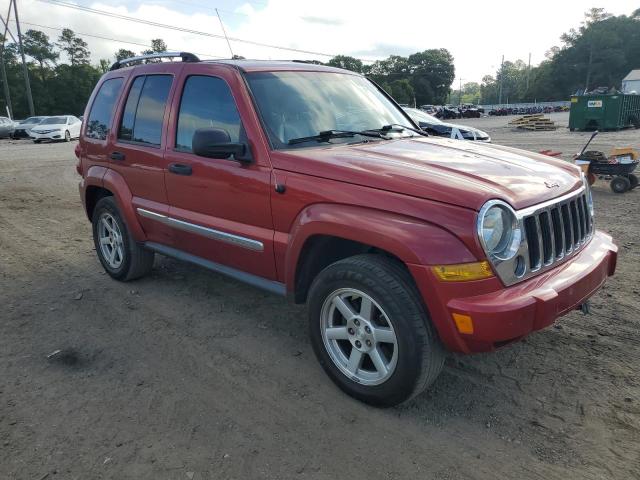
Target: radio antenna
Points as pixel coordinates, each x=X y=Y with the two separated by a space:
x=225 y=33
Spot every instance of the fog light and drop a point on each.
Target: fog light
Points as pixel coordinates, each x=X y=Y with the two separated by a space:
x=463 y=323
x=463 y=272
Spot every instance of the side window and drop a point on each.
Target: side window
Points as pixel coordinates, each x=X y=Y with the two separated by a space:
x=144 y=110
x=206 y=103
x=102 y=109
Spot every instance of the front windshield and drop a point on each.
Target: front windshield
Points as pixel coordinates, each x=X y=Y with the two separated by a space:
x=54 y=121
x=420 y=116
x=32 y=120
x=302 y=104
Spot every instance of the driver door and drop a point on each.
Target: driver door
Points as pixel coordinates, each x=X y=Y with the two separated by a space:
x=220 y=208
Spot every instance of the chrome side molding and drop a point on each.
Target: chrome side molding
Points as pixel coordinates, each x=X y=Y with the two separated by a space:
x=230 y=238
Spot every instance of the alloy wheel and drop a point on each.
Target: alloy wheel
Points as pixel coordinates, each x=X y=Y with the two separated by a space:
x=359 y=336
x=111 y=242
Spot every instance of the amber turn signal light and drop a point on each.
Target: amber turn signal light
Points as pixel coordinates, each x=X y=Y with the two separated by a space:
x=463 y=272
x=463 y=323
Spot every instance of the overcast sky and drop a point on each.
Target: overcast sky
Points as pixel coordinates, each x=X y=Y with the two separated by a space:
x=477 y=33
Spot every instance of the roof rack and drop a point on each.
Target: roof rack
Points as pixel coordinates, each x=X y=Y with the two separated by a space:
x=185 y=56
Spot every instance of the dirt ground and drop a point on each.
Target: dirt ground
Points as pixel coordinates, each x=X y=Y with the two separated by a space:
x=188 y=375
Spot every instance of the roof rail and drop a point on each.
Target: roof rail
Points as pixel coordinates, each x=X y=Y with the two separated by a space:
x=185 y=56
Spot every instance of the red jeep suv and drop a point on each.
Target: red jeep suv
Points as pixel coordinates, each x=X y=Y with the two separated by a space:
x=311 y=182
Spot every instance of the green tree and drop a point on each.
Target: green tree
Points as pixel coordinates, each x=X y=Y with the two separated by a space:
x=75 y=48
x=37 y=46
x=123 y=53
x=157 y=46
x=432 y=73
x=401 y=91
x=346 y=62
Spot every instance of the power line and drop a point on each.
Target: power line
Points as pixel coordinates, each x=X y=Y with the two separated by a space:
x=101 y=37
x=180 y=29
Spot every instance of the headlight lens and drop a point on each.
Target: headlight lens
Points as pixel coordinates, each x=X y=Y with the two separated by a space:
x=499 y=232
x=587 y=189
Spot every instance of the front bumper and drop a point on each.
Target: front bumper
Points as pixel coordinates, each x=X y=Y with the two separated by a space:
x=501 y=315
x=58 y=135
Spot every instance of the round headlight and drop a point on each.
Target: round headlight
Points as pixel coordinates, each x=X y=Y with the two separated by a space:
x=499 y=232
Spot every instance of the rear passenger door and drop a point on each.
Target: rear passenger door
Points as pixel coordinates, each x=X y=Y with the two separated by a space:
x=222 y=206
x=137 y=152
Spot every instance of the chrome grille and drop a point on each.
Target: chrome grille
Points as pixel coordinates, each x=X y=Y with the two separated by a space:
x=556 y=230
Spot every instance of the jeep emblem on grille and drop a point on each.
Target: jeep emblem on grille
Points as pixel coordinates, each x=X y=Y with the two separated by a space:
x=552 y=184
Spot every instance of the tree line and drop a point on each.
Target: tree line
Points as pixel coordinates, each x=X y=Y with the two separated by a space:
x=599 y=53
x=57 y=87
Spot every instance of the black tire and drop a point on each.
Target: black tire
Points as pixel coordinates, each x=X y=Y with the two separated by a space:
x=620 y=184
x=420 y=355
x=67 y=136
x=633 y=180
x=36 y=141
x=137 y=261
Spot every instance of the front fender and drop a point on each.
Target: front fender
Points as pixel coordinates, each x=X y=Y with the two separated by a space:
x=411 y=240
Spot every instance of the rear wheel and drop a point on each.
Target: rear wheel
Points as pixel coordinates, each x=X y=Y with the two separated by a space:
x=371 y=332
x=620 y=184
x=120 y=255
x=633 y=180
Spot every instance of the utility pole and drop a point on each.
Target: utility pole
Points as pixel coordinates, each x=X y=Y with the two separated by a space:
x=460 y=94
x=5 y=83
x=501 y=77
x=528 y=71
x=24 y=62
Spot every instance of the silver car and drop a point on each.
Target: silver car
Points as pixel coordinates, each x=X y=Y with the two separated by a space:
x=24 y=127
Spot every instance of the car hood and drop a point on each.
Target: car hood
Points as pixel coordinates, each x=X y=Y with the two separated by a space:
x=466 y=174
x=53 y=126
x=467 y=128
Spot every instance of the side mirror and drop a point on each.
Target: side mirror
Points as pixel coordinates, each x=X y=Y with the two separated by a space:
x=216 y=143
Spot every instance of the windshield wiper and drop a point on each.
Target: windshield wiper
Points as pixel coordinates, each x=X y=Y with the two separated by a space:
x=329 y=134
x=397 y=127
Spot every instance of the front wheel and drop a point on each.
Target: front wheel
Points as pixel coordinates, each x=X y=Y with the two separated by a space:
x=370 y=331
x=67 y=136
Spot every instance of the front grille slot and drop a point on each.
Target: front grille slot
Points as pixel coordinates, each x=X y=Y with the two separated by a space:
x=574 y=223
x=531 y=232
x=556 y=231
x=547 y=237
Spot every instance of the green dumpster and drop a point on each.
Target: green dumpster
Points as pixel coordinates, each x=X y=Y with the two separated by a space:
x=604 y=112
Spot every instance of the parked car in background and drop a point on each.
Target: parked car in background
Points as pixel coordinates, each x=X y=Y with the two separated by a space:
x=24 y=127
x=6 y=127
x=435 y=126
x=310 y=182
x=63 y=127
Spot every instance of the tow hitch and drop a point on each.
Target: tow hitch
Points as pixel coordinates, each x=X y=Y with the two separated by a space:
x=584 y=307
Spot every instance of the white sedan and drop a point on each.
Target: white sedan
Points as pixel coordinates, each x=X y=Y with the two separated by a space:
x=63 y=127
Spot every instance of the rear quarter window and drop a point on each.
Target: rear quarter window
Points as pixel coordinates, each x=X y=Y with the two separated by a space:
x=101 y=113
x=144 y=111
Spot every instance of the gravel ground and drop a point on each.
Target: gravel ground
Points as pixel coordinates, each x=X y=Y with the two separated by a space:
x=188 y=375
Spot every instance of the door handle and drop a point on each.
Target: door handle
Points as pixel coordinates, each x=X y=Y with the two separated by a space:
x=180 y=169
x=117 y=156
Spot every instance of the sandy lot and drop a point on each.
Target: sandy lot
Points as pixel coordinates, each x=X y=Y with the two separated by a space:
x=187 y=375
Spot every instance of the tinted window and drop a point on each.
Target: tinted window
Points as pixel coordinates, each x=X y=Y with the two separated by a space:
x=206 y=103
x=102 y=109
x=54 y=121
x=144 y=110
